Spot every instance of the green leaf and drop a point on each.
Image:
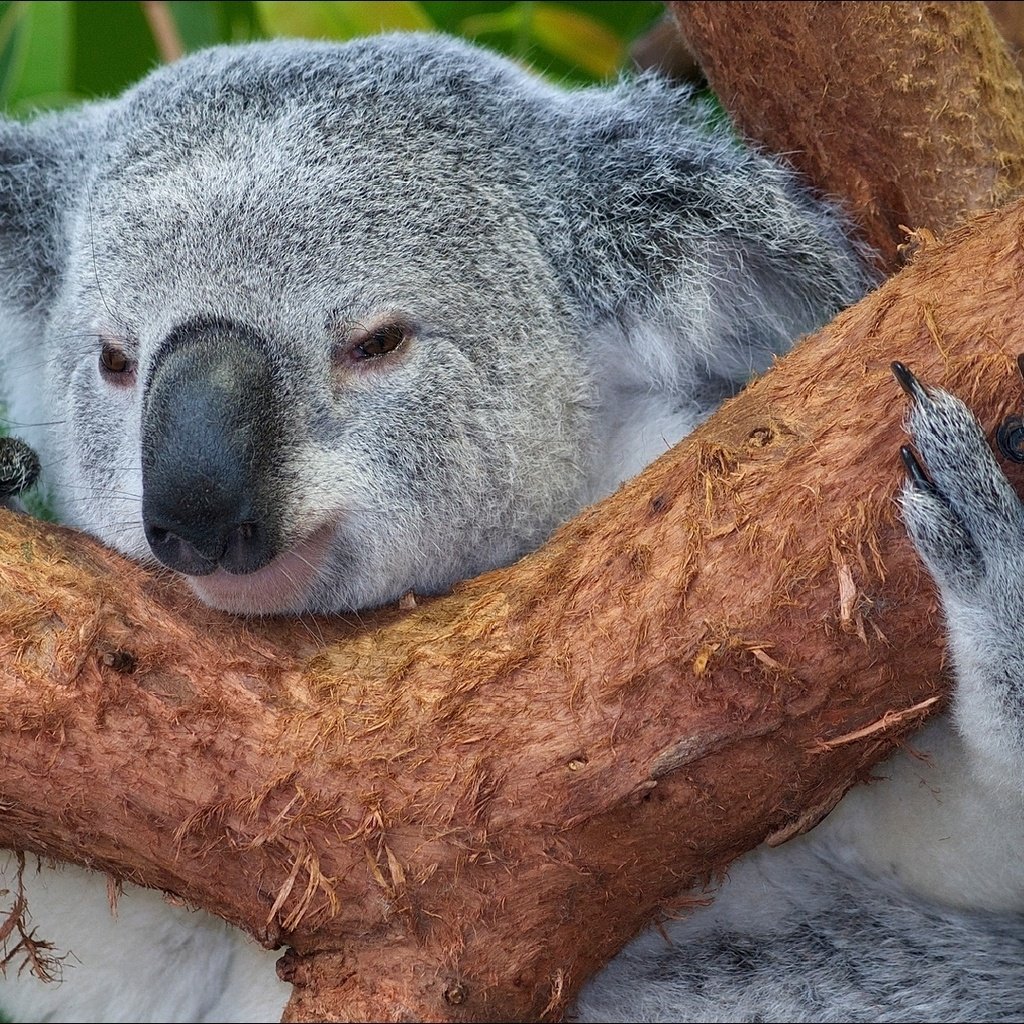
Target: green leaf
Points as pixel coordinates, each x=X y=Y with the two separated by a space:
x=219 y=21
x=41 y=59
x=10 y=39
x=448 y=15
x=514 y=18
x=198 y=24
x=578 y=39
x=42 y=101
x=113 y=46
x=339 y=20
x=626 y=20
x=568 y=42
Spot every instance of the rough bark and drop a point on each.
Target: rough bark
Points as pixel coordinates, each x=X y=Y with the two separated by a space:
x=462 y=811
x=663 y=48
x=911 y=113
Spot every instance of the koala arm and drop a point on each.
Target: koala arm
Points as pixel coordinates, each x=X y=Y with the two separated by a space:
x=967 y=523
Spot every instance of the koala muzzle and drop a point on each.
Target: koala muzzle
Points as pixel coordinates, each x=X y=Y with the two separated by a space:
x=211 y=429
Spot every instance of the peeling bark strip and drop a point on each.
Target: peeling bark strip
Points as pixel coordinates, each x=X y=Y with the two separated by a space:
x=911 y=113
x=461 y=812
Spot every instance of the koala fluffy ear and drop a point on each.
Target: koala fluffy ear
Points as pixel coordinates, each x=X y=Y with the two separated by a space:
x=43 y=166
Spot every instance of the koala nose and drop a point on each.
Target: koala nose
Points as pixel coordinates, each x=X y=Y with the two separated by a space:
x=210 y=439
x=198 y=549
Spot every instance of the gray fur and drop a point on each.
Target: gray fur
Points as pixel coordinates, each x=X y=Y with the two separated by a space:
x=799 y=937
x=969 y=529
x=586 y=275
x=525 y=232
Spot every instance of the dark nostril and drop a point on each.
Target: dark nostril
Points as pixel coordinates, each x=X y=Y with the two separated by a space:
x=247 y=549
x=177 y=553
x=238 y=549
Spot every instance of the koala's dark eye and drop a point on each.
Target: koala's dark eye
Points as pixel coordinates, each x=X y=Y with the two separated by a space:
x=371 y=347
x=115 y=365
x=379 y=341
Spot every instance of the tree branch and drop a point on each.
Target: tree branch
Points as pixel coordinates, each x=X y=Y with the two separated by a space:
x=911 y=113
x=462 y=811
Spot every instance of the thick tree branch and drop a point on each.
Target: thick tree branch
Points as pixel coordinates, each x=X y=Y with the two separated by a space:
x=911 y=113
x=462 y=811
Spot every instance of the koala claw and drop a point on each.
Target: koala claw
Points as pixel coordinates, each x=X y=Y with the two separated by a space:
x=914 y=471
x=963 y=517
x=906 y=380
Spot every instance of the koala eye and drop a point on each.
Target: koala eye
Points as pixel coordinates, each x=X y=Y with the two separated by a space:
x=115 y=366
x=380 y=341
x=371 y=347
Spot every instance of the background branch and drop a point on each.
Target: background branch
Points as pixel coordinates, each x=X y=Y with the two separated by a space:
x=911 y=113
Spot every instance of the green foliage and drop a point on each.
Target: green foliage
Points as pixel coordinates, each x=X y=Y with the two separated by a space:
x=340 y=20
x=55 y=52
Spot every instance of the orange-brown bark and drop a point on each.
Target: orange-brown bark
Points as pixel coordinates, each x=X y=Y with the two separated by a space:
x=462 y=811
x=911 y=113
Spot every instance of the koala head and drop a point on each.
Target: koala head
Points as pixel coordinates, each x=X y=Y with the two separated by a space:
x=298 y=335
x=314 y=325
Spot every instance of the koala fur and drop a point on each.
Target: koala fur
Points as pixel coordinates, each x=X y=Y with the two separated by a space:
x=384 y=314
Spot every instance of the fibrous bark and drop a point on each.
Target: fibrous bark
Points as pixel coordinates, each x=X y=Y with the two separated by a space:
x=462 y=811
x=911 y=113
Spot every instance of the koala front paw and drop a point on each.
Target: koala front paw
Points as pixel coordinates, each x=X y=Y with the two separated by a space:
x=964 y=518
x=19 y=468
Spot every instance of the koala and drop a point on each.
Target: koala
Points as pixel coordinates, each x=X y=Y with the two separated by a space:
x=19 y=471
x=316 y=325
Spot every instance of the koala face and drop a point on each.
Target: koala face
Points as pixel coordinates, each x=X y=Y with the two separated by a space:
x=322 y=324
x=310 y=353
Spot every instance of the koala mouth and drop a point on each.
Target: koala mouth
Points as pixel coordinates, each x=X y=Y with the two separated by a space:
x=283 y=586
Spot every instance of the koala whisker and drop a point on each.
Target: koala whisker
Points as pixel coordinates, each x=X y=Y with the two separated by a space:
x=27 y=424
x=101 y=490
x=307 y=623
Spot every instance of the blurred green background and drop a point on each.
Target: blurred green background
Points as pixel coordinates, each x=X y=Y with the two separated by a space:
x=58 y=52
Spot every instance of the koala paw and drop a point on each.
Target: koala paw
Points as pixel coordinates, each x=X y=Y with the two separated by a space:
x=963 y=516
x=19 y=467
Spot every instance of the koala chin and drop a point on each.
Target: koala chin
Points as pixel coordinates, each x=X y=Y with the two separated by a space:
x=315 y=325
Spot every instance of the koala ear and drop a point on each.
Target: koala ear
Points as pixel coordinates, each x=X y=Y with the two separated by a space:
x=43 y=165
